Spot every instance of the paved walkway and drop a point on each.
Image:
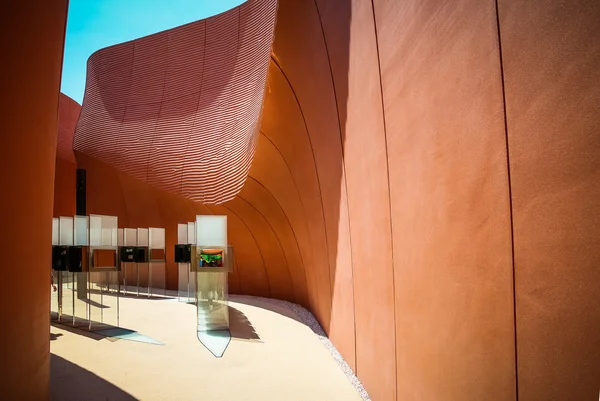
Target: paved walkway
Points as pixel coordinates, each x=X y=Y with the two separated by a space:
x=272 y=356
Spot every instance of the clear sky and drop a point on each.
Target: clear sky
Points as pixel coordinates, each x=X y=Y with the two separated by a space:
x=95 y=24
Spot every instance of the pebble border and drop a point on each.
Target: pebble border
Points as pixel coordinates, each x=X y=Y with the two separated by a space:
x=308 y=319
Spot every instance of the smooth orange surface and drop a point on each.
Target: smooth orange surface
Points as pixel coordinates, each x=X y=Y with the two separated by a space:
x=31 y=44
x=352 y=52
x=551 y=59
x=105 y=258
x=379 y=194
x=450 y=200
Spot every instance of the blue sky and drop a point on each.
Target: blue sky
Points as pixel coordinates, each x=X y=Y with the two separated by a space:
x=95 y=24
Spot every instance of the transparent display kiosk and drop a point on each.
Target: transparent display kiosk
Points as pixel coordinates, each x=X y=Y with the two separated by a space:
x=204 y=261
x=85 y=271
x=142 y=253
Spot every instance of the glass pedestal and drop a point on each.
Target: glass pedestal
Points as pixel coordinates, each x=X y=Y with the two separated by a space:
x=213 y=311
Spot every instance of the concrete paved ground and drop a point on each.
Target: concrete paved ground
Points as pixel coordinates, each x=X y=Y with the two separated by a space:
x=272 y=356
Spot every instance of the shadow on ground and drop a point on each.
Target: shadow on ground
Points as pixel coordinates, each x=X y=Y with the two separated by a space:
x=264 y=303
x=240 y=327
x=108 y=332
x=69 y=381
x=134 y=295
x=74 y=330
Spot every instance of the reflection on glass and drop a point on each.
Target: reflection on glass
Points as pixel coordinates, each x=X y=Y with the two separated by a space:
x=157 y=279
x=54 y=295
x=183 y=287
x=110 y=299
x=66 y=296
x=143 y=278
x=212 y=306
x=103 y=299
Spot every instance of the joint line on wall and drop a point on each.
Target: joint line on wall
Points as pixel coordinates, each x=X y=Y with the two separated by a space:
x=342 y=142
x=510 y=198
x=387 y=160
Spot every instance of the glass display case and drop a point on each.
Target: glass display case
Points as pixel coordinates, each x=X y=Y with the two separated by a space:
x=129 y=270
x=157 y=261
x=210 y=266
x=141 y=258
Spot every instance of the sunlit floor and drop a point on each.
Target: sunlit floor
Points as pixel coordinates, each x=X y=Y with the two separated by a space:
x=272 y=356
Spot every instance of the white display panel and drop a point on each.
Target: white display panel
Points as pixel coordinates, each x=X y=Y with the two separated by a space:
x=106 y=237
x=120 y=237
x=103 y=230
x=110 y=226
x=55 y=230
x=81 y=230
x=191 y=233
x=95 y=230
x=156 y=237
x=211 y=230
x=182 y=234
x=65 y=231
x=130 y=236
x=143 y=237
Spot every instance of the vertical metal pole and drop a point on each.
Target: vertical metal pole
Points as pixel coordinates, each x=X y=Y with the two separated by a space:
x=89 y=304
x=60 y=291
x=149 y=280
x=188 y=283
x=118 y=298
x=71 y=278
x=102 y=301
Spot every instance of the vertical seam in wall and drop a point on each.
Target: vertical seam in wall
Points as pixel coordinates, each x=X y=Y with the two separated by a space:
x=315 y=307
x=337 y=109
x=289 y=274
x=510 y=198
x=286 y=216
x=264 y=264
x=387 y=158
x=312 y=151
x=291 y=175
x=289 y=223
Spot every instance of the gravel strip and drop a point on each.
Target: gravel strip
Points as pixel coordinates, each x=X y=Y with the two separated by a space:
x=308 y=319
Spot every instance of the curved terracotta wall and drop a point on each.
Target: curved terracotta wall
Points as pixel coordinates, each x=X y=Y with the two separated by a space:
x=442 y=95
x=180 y=109
x=66 y=163
x=31 y=45
x=551 y=54
x=419 y=166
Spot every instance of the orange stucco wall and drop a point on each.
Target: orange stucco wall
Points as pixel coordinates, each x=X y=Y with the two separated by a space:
x=31 y=44
x=420 y=166
x=551 y=54
x=449 y=191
